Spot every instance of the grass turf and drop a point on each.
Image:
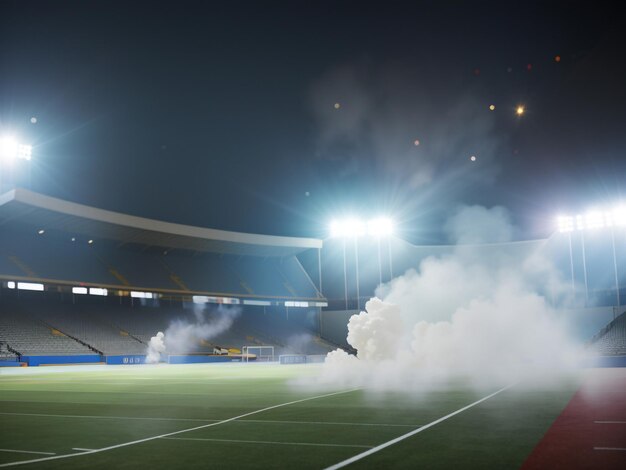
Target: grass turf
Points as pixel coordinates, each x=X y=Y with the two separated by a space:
x=46 y=410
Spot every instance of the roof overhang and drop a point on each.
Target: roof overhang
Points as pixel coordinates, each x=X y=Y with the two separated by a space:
x=21 y=206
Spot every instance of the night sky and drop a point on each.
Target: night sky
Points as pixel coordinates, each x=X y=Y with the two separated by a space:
x=274 y=117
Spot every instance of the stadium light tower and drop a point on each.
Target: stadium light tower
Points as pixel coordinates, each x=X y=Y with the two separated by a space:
x=11 y=150
x=381 y=227
x=594 y=220
x=353 y=228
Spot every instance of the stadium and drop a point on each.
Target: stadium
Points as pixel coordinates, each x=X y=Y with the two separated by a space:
x=325 y=235
x=84 y=291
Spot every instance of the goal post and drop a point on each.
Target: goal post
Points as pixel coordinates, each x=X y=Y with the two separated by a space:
x=262 y=353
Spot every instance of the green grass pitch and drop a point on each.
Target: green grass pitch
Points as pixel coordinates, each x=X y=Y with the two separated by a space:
x=51 y=412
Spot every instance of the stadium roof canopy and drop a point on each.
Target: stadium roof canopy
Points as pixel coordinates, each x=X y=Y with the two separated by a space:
x=23 y=206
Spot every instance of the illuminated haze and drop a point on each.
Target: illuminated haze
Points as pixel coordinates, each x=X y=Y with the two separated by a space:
x=481 y=318
x=183 y=336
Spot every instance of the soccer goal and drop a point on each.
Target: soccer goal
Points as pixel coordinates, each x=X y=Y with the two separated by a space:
x=262 y=353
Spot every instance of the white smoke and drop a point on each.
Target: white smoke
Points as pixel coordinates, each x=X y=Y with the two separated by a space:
x=477 y=314
x=156 y=347
x=183 y=336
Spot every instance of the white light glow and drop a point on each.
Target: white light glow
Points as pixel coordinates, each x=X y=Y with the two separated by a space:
x=98 y=291
x=565 y=224
x=8 y=148
x=30 y=286
x=79 y=290
x=353 y=228
x=290 y=303
x=380 y=227
x=142 y=295
x=595 y=219
x=349 y=228
x=24 y=151
x=11 y=285
x=11 y=149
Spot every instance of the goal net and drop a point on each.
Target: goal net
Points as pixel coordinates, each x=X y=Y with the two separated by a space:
x=261 y=353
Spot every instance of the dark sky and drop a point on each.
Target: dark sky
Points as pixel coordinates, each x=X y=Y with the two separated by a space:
x=223 y=115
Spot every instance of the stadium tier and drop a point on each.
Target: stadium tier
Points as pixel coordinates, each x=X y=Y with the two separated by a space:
x=50 y=241
x=611 y=341
x=55 y=326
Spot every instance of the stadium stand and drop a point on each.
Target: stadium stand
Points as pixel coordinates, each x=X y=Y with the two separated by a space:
x=55 y=326
x=68 y=251
x=611 y=340
x=28 y=336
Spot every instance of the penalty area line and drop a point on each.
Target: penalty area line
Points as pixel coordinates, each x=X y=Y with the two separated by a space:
x=161 y=436
x=384 y=445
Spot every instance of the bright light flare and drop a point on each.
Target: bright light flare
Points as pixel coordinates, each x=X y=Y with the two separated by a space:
x=352 y=228
x=520 y=110
x=593 y=220
x=380 y=227
x=348 y=228
x=10 y=149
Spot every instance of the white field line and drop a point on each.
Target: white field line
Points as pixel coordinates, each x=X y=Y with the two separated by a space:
x=27 y=452
x=107 y=417
x=610 y=422
x=132 y=392
x=139 y=441
x=384 y=445
x=609 y=448
x=270 y=421
x=82 y=449
x=329 y=423
x=238 y=441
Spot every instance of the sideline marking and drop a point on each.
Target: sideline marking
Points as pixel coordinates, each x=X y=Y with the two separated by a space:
x=26 y=452
x=82 y=449
x=609 y=448
x=411 y=433
x=107 y=417
x=139 y=441
x=266 y=442
x=207 y=420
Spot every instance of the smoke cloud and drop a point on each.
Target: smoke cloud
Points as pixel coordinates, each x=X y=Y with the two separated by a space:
x=184 y=336
x=477 y=314
x=156 y=347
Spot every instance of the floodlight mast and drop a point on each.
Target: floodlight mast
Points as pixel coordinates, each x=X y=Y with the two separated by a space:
x=593 y=220
x=354 y=228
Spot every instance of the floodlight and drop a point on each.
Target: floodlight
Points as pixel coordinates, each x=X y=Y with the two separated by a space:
x=380 y=227
x=24 y=151
x=619 y=216
x=349 y=228
x=8 y=148
x=11 y=149
x=594 y=220
x=565 y=224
